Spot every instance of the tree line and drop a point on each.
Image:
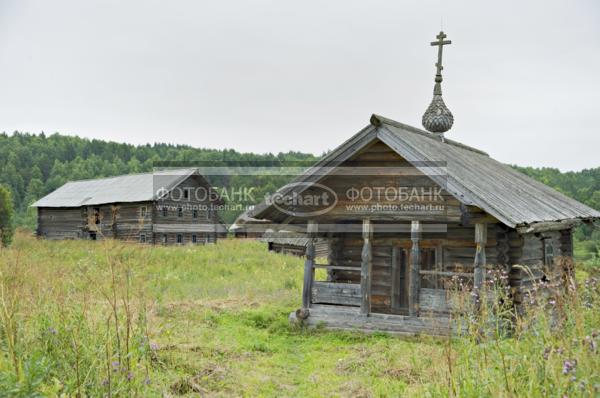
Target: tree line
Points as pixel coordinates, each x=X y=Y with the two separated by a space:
x=33 y=165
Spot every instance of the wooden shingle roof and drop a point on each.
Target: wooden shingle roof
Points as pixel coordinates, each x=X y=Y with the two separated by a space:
x=472 y=177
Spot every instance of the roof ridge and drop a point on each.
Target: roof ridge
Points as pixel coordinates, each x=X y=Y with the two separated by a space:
x=378 y=120
x=124 y=175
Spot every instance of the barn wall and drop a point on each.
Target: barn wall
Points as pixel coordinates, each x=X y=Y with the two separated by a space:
x=60 y=223
x=207 y=217
x=129 y=222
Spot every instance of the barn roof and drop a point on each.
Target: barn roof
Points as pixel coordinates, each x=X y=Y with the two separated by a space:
x=285 y=238
x=244 y=219
x=120 y=189
x=472 y=176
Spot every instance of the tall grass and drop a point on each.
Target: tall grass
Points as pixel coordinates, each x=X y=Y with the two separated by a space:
x=549 y=347
x=76 y=316
x=77 y=329
x=80 y=318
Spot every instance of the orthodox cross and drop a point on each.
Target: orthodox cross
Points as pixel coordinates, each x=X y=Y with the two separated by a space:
x=440 y=43
x=437 y=118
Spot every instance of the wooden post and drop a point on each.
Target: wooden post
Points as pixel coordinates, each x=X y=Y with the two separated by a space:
x=479 y=262
x=366 y=268
x=395 y=278
x=309 y=269
x=415 y=268
x=332 y=256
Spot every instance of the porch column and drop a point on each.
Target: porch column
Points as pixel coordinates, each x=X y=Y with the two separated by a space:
x=479 y=262
x=395 y=278
x=366 y=268
x=415 y=268
x=309 y=269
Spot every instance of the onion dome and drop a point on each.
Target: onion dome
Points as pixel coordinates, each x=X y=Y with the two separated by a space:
x=438 y=118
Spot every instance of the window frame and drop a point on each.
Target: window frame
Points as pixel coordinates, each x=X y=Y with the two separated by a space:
x=180 y=212
x=143 y=238
x=143 y=211
x=548 y=246
x=179 y=239
x=436 y=273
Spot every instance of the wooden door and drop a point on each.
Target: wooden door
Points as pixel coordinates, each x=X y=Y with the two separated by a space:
x=399 y=280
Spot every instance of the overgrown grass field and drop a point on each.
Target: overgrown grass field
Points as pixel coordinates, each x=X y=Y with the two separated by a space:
x=114 y=319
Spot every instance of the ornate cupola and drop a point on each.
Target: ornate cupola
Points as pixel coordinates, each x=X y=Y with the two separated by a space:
x=438 y=118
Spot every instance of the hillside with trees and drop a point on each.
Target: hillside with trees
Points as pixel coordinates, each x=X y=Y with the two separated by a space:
x=32 y=166
x=35 y=165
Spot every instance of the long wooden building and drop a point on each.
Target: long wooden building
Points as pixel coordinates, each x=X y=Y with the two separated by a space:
x=164 y=207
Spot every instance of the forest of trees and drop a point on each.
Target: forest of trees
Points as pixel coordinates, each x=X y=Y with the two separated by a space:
x=35 y=165
x=31 y=166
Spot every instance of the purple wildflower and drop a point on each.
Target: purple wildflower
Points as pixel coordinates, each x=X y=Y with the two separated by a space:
x=569 y=366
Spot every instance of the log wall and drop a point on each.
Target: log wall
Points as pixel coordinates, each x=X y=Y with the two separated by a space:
x=532 y=271
x=60 y=223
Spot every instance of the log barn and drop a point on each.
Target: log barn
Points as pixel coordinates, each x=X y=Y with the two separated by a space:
x=407 y=213
x=164 y=207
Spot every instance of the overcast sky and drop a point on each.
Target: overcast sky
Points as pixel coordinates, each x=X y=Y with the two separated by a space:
x=521 y=77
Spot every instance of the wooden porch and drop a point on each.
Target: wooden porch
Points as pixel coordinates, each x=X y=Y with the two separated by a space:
x=338 y=317
x=412 y=304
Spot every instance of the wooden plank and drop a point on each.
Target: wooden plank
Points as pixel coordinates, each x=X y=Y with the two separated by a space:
x=447 y=273
x=479 y=261
x=395 y=278
x=309 y=270
x=336 y=293
x=433 y=300
x=349 y=318
x=336 y=267
x=415 y=265
x=366 y=269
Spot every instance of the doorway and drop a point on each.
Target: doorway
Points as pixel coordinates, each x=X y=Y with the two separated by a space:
x=399 y=302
